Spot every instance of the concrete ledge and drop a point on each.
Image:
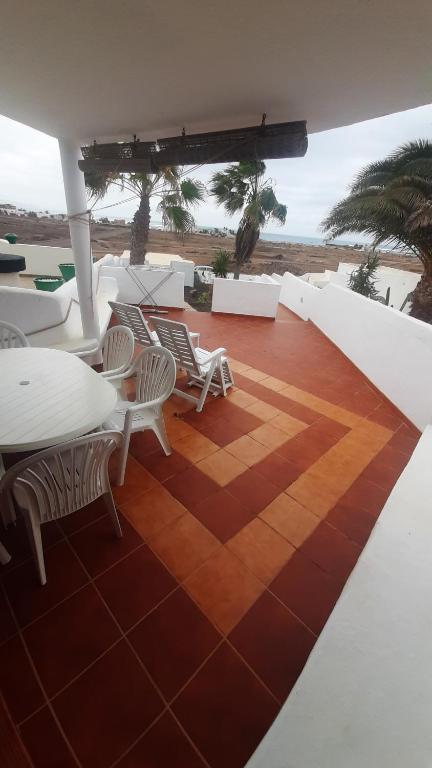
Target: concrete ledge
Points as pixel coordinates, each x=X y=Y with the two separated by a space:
x=365 y=695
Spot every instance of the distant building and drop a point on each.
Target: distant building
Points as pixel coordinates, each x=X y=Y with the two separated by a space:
x=119 y=221
x=6 y=209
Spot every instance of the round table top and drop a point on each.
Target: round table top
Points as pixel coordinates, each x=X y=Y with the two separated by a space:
x=48 y=396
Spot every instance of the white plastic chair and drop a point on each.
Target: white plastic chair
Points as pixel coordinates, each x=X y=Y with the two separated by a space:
x=132 y=317
x=155 y=373
x=60 y=480
x=11 y=336
x=117 y=351
x=209 y=371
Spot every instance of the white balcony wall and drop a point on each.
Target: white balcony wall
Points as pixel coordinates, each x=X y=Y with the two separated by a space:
x=40 y=259
x=169 y=294
x=297 y=295
x=246 y=297
x=392 y=349
x=364 y=697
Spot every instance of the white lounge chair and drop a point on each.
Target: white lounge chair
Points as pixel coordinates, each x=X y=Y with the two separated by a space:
x=132 y=317
x=60 y=480
x=155 y=373
x=209 y=371
x=11 y=336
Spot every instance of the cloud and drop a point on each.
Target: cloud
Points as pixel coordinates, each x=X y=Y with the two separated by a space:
x=309 y=186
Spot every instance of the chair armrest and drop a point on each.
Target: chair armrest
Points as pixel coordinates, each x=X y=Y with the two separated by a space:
x=212 y=355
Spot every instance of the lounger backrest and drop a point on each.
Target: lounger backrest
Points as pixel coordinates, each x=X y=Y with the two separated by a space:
x=133 y=318
x=175 y=337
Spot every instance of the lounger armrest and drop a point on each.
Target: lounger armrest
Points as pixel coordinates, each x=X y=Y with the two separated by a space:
x=212 y=355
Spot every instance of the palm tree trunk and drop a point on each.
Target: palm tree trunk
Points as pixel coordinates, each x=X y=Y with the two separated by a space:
x=421 y=307
x=140 y=231
x=246 y=240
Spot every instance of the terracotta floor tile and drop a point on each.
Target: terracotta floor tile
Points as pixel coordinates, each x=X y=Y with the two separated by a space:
x=278 y=471
x=173 y=641
x=7 y=624
x=403 y=440
x=317 y=493
x=253 y=490
x=254 y=374
x=178 y=428
x=64 y=576
x=45 y=743
x=143 y=443
x=163 y=467
x=272 y=383
x=163 y=746
x=307 y=591
x=221 y=432
x=269 y=435
x=261 y=549
x=98 y=729
x=89 y=514
x=134 y=586
x=225 y=698
x=184 y=545
x=300 y=412
x=263 y=411
x=288 y=424
x=195 y=447
x=241 y=398
x=18 y=682
x=152 y=511
x=224 y=589
x=365 y=495
x=222 y=514
x=274 y=643
x=191 y=486
x=354 y=522
x=238 y=366
x=137 y=480
x=98 y=546
x=247 y=450
x=240 y=419
x=76 y=632
x=305 y=449
x=332 y=551
x=290 y=519
x=222 y=467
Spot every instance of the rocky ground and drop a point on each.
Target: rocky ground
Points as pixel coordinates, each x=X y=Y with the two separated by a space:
x=201 y=248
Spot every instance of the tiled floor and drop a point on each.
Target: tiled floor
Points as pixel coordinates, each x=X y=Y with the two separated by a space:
x=177 y=645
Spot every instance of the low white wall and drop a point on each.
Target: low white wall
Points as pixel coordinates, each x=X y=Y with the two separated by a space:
x=243 y=297
x=399 y=281
x=40 y=259
x=392 y=349
x=365 y=695
x=170 y=293
x=297 y=295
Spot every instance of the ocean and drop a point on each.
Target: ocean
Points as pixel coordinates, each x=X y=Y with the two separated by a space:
x=277 y=237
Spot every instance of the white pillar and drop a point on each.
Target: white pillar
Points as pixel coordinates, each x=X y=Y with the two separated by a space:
x=76 y=203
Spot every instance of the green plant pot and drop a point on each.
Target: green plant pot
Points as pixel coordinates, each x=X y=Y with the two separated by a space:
x=48 y=283
x=67 y=270
x=11 y=238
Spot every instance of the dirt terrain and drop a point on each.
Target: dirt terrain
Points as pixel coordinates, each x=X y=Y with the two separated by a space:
x=201 y=248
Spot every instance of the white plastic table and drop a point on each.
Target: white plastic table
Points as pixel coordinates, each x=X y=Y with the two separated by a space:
x=48 y=396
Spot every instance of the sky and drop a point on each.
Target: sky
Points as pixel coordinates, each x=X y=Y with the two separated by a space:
x=30 y=172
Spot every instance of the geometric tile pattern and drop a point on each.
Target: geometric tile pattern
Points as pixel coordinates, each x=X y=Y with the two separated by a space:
x=177 y=644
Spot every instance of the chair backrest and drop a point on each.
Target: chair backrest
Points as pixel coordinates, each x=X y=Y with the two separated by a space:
x=175 y=337
x=64 y=478
x=133 y=318
x=118 y=348
x=11 y=336
x=155 y=372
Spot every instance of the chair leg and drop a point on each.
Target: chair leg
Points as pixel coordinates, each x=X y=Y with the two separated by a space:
x=205 y=388
x=161 y=434
x=123 y=459
x=111 y=507
x=35 y=538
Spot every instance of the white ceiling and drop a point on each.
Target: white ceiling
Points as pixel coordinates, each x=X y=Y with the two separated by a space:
x=111 y=68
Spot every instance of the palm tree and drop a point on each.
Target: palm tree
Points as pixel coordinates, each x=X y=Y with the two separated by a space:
x=176 y=195
x=242 y=187
x=391 y=200
x=220 y=263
